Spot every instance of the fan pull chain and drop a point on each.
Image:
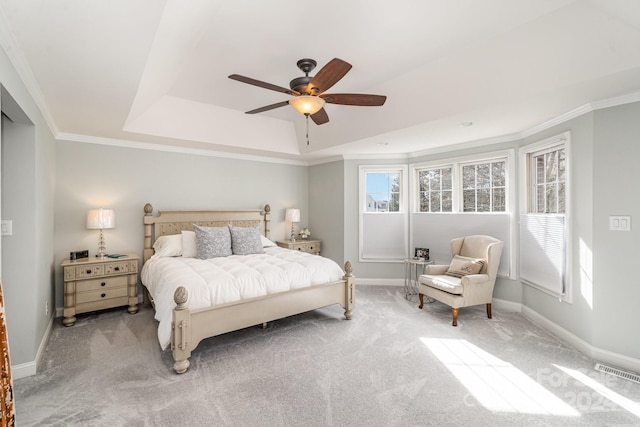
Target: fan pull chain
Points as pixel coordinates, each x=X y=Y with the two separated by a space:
x=307 y=116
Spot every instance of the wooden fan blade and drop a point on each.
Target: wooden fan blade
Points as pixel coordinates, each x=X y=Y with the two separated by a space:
x=328 y=75
x=359 y=99
x=320 y=117
x=261 y=84
x=268 y=107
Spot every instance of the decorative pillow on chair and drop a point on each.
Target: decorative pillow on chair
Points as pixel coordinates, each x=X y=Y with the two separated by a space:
x=245 y=240
x=462 y=266
x=212 y=242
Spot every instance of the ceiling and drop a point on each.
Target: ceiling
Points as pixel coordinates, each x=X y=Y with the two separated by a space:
x=156 y=72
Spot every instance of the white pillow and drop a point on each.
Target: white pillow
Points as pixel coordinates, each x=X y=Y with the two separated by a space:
x=266 y=243
x=189 y=248
x=169 y=245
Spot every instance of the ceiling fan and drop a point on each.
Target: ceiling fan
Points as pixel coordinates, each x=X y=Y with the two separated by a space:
x=307 y=92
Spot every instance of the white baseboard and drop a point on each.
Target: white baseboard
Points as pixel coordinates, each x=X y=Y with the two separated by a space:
x=595 y=353
x=502 y=304
x=27 y=369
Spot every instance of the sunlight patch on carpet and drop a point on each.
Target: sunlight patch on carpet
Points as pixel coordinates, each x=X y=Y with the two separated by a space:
x=494 y=383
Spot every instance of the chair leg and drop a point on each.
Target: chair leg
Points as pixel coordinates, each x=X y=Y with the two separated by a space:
x=421 y=296
x=454 y=312
x=489 y=310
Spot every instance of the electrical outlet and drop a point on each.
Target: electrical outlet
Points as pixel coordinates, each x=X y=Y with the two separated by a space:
x=46 y=308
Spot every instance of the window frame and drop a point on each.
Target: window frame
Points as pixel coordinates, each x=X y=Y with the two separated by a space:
x=527 y=194
x=403 y=208
x=401 y=196
x=456 y=164
x=534 y=184
x=506 y=186
x=416 y=193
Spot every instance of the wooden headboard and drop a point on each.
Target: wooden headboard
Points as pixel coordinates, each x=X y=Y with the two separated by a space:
x=173 y=222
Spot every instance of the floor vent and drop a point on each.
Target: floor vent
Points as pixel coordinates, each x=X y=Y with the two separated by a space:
x=618 y=372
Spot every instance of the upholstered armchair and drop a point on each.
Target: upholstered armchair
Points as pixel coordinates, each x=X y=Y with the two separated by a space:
x=470 y=277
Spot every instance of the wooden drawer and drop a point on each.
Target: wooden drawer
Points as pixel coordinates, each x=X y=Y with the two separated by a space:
x=311 y=247
x=117 y=268
x=89 y=271
x=102 y=304
x=100 y=294
x=101 y=283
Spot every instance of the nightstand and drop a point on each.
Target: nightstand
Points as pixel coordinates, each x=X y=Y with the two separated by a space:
x=310 y=246
x=92 y=284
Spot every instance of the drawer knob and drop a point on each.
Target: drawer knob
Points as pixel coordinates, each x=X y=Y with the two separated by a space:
x=117 y=269
x=103 y=284
x=103 y=295
x=88 y=271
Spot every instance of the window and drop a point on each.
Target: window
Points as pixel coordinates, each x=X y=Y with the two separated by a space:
x=548 y=177
x=484 y=187
x=545 y=250
x=384 y=218
x=383 y=191
x=435 y=190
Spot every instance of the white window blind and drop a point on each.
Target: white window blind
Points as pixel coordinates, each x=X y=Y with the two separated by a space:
x=542 y=251
x=384 y=236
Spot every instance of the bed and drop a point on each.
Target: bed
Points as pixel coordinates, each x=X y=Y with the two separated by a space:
x=186 y=325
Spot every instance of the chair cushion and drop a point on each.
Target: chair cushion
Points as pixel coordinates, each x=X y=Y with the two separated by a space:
x=461 y=266
x=448 y=284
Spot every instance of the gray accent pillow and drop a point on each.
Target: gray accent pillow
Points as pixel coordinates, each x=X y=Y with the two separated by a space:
x=212 y=242
x=245 y=240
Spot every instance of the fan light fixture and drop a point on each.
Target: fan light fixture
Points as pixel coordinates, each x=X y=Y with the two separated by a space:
x=307 y=104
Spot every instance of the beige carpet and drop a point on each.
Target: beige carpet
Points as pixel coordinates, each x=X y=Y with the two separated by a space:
x=391 y=365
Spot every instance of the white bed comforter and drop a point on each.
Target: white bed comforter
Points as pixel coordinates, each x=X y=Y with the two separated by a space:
x=227 y=279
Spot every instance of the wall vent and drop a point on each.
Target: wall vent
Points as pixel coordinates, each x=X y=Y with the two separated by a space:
x=618 y=372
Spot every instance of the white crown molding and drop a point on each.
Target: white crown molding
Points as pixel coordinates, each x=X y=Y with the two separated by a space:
x=466 y=145
x=174 y=149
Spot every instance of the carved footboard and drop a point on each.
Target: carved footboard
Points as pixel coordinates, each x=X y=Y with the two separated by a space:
x=190 y=327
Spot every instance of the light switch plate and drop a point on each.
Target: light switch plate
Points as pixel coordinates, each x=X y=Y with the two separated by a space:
x=620 y=222
x=6 y=227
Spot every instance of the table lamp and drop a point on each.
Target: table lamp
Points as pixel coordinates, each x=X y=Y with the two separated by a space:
x=101 y=219
x=292 y=215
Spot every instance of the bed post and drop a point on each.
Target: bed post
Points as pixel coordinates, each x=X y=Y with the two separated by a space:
x=180 y=333
x=148 y=220
x=350 y=290
x=267 y=221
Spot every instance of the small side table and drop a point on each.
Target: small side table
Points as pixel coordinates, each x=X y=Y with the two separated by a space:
x=303 y=245
x=413 y=268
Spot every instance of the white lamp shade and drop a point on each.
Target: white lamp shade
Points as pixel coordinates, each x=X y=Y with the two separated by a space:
x=292 y=215
x=100 y=219
x=307 y=104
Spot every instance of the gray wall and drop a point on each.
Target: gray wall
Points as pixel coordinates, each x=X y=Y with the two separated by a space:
x=124 y=179
x=28 y=182
x=615 y=253
x=326 y=207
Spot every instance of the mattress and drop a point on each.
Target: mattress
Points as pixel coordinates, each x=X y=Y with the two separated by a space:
x=228 y=279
